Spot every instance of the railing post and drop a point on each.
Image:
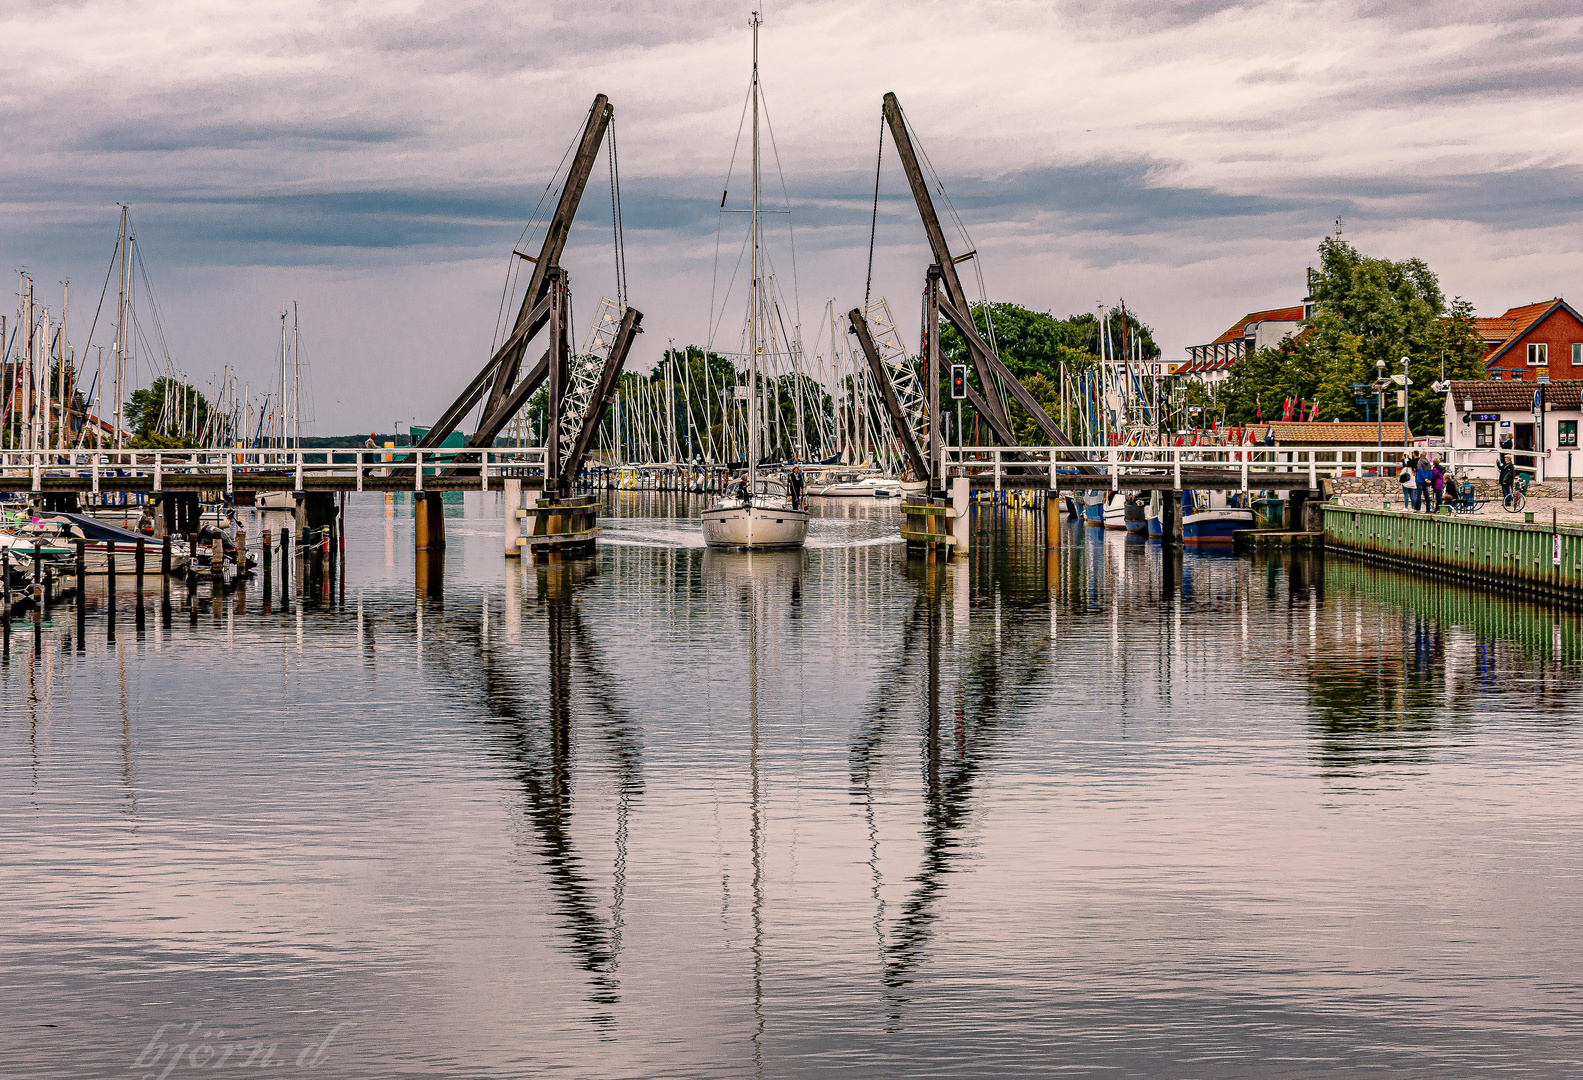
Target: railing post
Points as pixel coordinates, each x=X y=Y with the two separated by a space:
x=299 y=486
x=159 y=471
x=1244 y=473
x=94 y=462
x=483 y=470
x=229 y=487
x=1176 y=470
x=997 y=470
x=1313 y=469
x=1115 y=476
x=418 y=472
x=359 y=470
x=1052 y=469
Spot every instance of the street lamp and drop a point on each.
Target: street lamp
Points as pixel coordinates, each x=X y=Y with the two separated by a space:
x=1379 y=419
x=1407 y=390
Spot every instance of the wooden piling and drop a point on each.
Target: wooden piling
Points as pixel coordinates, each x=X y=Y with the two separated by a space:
x=1052 y=520
x=82 y=572
x=269 y=555
x=420 y=521
x=217 y=561
x=137 y=565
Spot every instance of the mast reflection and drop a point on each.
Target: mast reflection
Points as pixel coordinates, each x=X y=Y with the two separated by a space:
x=538 y=749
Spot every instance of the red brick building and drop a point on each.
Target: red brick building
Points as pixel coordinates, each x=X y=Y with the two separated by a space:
x=1536 y=339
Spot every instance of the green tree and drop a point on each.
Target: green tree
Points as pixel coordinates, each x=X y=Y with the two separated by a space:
x=1367 y=310
x=169 y=408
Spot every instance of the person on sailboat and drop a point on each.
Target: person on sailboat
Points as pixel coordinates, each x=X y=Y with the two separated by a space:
x=741 y=491
x=794 y=486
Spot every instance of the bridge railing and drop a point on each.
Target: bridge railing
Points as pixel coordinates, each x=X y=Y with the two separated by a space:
x=276 y=468
x=1064 y=464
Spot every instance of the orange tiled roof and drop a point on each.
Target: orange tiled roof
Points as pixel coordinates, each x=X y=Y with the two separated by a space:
x=1285 y=314
x=1328 y=433
x=1490 y=395
x=1516 y=322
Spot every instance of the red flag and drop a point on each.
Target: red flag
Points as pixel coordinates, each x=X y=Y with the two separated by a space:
x=1258 y=407
x=1286 y=410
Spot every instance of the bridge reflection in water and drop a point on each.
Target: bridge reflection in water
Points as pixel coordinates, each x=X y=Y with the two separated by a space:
x=674 y=811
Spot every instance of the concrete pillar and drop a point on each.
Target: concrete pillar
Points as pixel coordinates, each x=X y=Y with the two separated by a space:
x=513 y=503
x=961 y=524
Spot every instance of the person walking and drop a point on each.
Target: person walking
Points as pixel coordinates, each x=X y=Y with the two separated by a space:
x=1506 y=472
x=1408 y=478
x=1437 y=480
x=1424 y=476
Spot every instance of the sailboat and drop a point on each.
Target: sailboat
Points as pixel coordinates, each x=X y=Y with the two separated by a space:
x=759 y=511
x=287 y=419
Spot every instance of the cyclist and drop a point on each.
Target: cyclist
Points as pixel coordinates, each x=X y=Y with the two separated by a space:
x=1507 y=473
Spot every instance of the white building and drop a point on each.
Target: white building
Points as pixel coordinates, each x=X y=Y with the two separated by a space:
x=1536 y=423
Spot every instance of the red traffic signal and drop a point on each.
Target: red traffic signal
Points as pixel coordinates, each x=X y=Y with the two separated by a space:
x=959 y=381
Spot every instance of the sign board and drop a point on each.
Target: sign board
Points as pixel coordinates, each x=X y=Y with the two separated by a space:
x=1488 y=416
x=1555 y=549
x=1506 y=423
x=741 y=393
x=1542 y=373
x=1401 y=399
x=1543 y=380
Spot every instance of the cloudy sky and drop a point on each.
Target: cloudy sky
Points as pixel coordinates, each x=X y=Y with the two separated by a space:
x=374 y=161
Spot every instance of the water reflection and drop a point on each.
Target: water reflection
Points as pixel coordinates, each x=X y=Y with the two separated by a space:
x=538 y=740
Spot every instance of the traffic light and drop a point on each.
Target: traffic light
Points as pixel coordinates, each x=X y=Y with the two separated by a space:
x=959 y=381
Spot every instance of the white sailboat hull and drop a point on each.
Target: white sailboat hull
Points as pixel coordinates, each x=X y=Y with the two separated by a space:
x=755 y=528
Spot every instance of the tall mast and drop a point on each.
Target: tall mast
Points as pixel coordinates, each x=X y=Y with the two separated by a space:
x=280 y=402
x=120 y=331
x=296 y=380
x=753 y=323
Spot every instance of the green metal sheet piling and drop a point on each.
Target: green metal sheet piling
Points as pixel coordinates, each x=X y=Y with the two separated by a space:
x=1539 y=559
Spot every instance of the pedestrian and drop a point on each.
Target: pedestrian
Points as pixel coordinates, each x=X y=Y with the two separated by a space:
x=1408 y=478
x=1424 y=476
x=1437 y=479
x=1506 y=472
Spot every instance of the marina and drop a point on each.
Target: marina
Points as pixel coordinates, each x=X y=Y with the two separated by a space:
x=1082 y=639
x=461 y=774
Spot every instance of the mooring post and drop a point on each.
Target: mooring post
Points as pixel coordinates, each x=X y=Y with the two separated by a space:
x=1052 y=519
x=137 y=565
x=82 y=572
x=269 y=555
x=513 y=502
x=217 y=561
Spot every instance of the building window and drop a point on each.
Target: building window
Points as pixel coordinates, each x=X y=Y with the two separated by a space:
x=1538 y=354
x=1484 y=435
x=1566 y=433
x=1577 y=354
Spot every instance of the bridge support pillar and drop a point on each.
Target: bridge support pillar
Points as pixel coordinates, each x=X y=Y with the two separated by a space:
x=428 y=521
x=1171 y=520
x=962 y=523
x=512 y=499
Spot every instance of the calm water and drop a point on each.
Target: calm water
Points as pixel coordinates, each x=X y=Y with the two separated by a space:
x=665 y=812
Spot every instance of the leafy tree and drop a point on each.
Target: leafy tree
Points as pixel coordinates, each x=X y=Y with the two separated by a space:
x=1366 y=310
x=170 y=408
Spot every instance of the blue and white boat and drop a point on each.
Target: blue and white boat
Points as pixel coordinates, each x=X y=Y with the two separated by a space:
x=1094 y=508
x=1210 y=524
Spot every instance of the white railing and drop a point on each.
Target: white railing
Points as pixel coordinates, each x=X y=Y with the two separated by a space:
x=1249 y=463
x=233 y=466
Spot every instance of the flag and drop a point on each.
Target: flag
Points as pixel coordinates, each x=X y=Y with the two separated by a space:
x=1258 y=407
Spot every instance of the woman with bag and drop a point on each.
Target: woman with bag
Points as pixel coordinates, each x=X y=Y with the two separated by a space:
x=1407 y=476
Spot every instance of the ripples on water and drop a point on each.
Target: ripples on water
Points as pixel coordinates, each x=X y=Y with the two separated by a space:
x=669 y=812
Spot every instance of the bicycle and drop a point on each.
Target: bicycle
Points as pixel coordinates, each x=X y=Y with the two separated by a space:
x=1517 y=498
